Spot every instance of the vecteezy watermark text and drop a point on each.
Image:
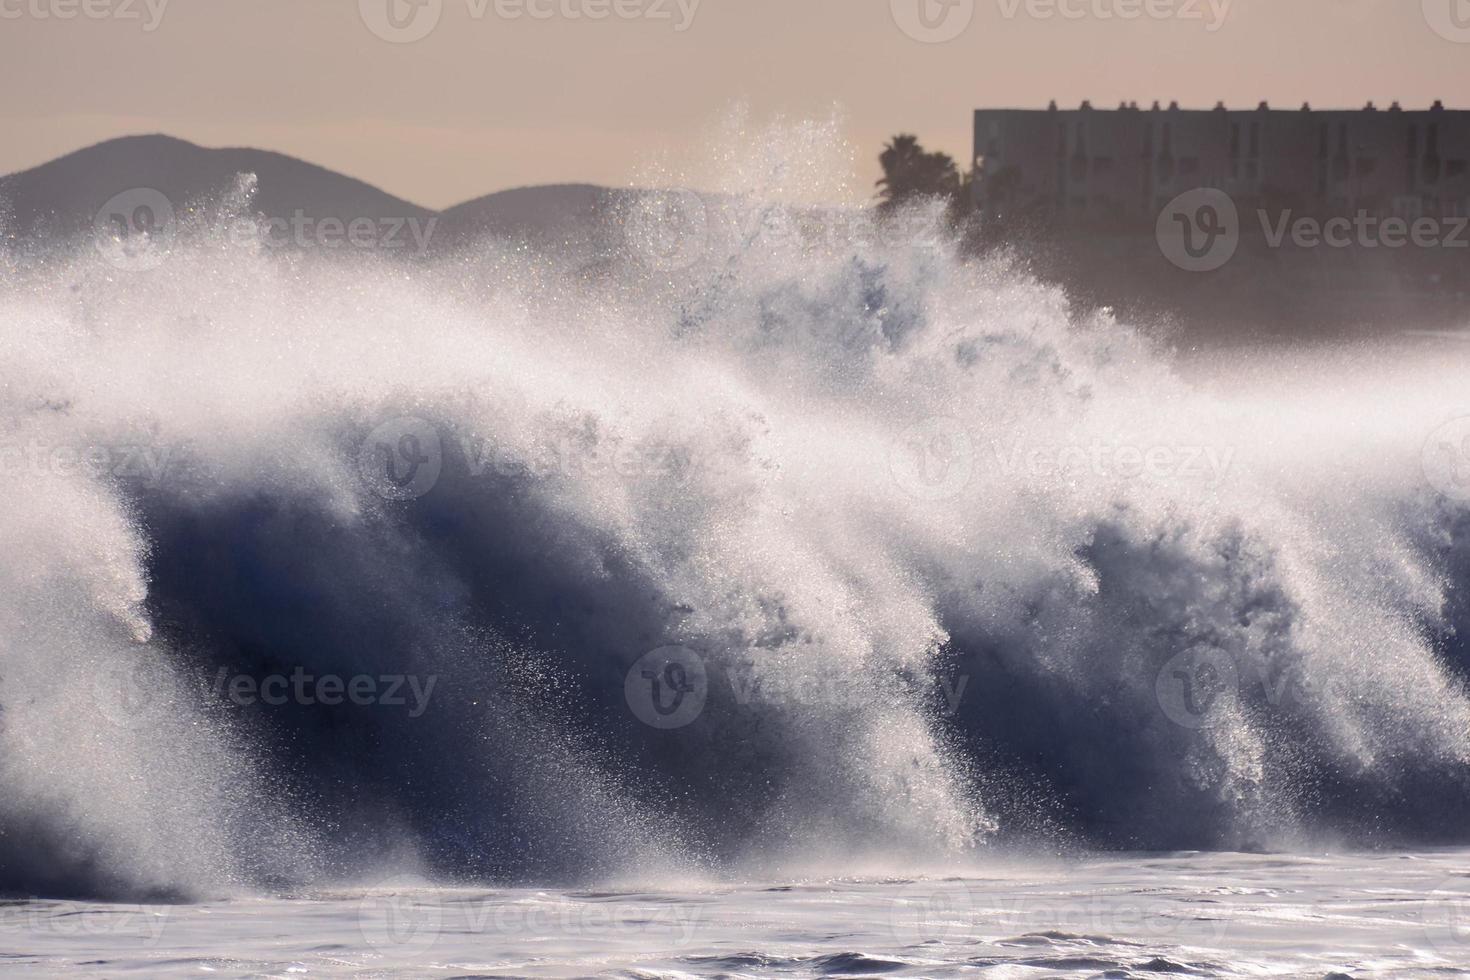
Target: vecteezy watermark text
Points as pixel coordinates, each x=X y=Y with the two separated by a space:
x=407 y=21
x=938 y=21
x=1364 y=230
x=1200 y=688
x=35 y=457
x=926 y=911
x=404 y=458
x=136 y=228
x=402 y=918
x=674 y=229
x=1211 y=13
x=137 y=693
x=936 y=460
x=304 y=231
x=329 y=690
x=668 y=688
x=117 y=923
x=1201 y=230
x=1158 y=462
x=148 y=13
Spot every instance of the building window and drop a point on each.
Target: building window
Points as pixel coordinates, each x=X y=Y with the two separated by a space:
x=1454 y=168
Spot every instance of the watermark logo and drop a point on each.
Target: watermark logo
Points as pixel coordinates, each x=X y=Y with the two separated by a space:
x=1201 y=688
x=1199 y=230
x=667 y=688
x=133 y=693
x=1446 y=459
x=933 y=460
x=401 y=21
x=134 y=229
x=402 y=459
x=400 y=918
x=668 y=230
x=1445 y=914
x=931 y=911
x=1450 y=19
x=1197 y=688
x=932 y=21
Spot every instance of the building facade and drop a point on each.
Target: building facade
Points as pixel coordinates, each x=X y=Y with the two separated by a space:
x=1120 y=168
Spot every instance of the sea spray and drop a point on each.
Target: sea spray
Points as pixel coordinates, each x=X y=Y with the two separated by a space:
x=805 y=461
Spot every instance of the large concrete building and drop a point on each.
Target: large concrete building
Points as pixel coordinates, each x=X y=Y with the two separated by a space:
x=1099 y=168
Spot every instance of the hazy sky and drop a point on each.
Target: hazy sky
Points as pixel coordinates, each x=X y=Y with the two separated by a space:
x=494 y=97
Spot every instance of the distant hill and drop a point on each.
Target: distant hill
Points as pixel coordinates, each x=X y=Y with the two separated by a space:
x=62 y=198
x=582 y=224
x=545 y=215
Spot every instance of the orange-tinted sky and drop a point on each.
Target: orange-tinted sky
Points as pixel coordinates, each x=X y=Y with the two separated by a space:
x=493 y=97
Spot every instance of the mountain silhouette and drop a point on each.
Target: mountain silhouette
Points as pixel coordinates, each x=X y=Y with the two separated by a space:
x=59 y=202
x=558 y=216
x=63 y=197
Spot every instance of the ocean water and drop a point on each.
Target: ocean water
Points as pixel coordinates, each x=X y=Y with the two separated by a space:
x=1143 y=915
x=735 y=542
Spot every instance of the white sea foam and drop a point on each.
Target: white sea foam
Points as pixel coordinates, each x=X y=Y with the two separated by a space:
x=958 y=565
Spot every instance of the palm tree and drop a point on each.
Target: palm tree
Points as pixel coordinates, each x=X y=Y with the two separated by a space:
x=910 y=172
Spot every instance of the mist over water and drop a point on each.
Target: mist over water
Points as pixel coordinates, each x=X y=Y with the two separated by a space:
x=951 y=567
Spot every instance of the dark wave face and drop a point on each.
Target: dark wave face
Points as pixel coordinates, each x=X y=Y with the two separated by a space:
x=758 y=541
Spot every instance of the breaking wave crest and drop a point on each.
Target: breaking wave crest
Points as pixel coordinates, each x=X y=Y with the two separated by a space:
x=762 y=540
